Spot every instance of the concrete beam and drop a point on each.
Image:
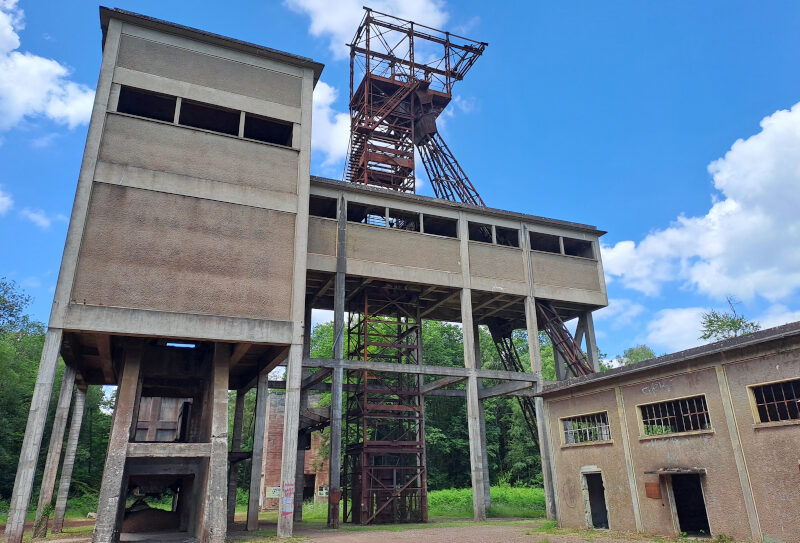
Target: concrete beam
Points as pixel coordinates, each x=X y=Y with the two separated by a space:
x=505 y=389
x=69 y=459
x=390 y=367
x=440 y=383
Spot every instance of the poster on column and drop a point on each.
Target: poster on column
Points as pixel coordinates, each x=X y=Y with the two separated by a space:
x=287 y=505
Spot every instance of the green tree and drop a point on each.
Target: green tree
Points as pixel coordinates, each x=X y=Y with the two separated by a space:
x=718 y=325
x=636 y=354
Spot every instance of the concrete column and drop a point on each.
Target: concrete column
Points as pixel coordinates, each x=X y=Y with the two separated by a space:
x=299 y=477
x=112 y=493
x=54 y=453
x=236 y=446
x=561 y=365
x=259 y=430
x=289 y=450
x=215 y=498
x=29 y=454
x=482 y=414
x=335 y=466
x=591 y=341
x=69 y=459
x=476 y=451
x=626 y=447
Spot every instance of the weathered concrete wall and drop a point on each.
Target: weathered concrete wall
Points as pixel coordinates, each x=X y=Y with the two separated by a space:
x=608 y=458
x=150 y=250
x=401 y=248
x=771 y=450
x=322 y=236
x=565 y=271
x=496 y=262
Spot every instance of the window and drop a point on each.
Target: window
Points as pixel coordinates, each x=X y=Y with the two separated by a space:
x=365 y=214
x=545 y=242
x=267 y=130
x=675 y=416
x=404 y=220
x=578 y=247
x=507 y=236
x=777 y=401
x=146 y=104
x=209 y=117
x=586 y=428
x=440 y=226
x=319 y=206
x=480 y=232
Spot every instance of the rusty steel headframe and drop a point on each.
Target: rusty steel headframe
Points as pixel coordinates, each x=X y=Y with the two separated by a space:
x=407 y=73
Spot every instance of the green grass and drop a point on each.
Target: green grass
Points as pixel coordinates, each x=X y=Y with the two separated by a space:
x=507 y=502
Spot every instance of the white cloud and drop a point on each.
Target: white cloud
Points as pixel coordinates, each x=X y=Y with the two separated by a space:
x=338 y=22
x=43 y=142
x=748 y=244
x=34 y=86
x=40 y=218
x=776 y=315
x=330 y=130
x=6 y=202
x=620 y=312
x=675 y=329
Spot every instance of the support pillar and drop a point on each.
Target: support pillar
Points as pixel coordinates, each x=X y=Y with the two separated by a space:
x=216 y=496
x=259 y=430
x=112 y=491
x=482 y=413
x=54 y=453
x=69 y=459
x=236 y=446
x=476 y=451
x=591 y=341
x=299 y=477
x=291 y=425
x=337 y=380
x=29 y=454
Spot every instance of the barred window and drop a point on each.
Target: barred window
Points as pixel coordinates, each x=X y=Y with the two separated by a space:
x=585 y=428
x=675 y=416
x=777 y=401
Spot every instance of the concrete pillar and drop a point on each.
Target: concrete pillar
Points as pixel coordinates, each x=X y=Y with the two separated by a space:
x=337 y=376
x=236 y=446
x=69 y=459
x=54 y=453
x=482 y=414
x=216 y=497
x=591 y=341
x=259 y=430
x=112 y=491
x=561 y=366
x=29 y=454
x=289 y=449
x=299 y=477
x=476 y=451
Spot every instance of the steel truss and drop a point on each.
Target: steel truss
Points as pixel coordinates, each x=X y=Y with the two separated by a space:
x=385 y=480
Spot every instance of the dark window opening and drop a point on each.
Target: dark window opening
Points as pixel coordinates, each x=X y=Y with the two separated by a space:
x=545 y=242
x=480 y=232
x=319 y=206
x=597 y=500
x=507 y=236
x=685 y=415
x=578 y=247
x=267 y=130
x=441 y=226
x=309 y=486
x=209 y=117
x=366 y=214
x=146 y=104
x=689 y=505
x=404 y=220
x=778 y=401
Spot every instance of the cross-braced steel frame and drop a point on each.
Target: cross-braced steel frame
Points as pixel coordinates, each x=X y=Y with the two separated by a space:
x=384 y=472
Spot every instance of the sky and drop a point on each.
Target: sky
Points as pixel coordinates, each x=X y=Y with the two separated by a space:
x=673 y=126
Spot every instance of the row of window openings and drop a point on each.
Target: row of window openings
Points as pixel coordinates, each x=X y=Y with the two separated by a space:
x=162 y=107
x=774 y=402
x=319 y=206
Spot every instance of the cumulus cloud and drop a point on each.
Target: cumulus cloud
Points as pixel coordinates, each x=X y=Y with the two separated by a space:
x=6 y=202
x=620 y=312
x=675 y=329
x=42 y=219
x=34 y=86
x=339 y=23
x=748 y=244
x=330 y=129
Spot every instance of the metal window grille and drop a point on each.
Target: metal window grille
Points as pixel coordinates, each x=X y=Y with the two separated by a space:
x=684 y=415
x=778 y=401
x=586 y=428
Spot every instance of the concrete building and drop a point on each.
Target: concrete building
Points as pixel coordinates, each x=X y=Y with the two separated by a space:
x=199 y=244
x=703 y=441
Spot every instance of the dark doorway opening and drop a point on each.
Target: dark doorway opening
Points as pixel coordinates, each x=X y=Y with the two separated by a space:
x=689 y=505
x=309 y=486
x=597 y=500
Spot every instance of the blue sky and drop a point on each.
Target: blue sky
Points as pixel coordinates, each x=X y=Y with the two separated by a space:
x=668 y=124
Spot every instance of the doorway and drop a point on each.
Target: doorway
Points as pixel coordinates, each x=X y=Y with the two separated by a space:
x=690 y=506
x=598 y=513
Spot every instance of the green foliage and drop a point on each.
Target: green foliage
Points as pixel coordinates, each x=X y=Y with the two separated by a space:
x=636 y=354
x=719 y=325
x=506 y=502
